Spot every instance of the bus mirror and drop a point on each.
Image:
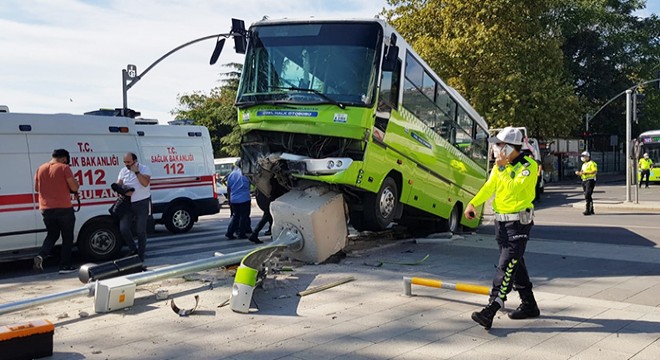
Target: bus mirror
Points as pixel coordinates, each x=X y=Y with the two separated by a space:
x=389 y=61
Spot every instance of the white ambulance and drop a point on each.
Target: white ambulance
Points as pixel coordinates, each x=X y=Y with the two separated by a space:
x=179 y=157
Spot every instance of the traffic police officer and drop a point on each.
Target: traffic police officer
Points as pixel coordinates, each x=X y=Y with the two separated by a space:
x=588 y=175
x=645 y=166
x=513 y=180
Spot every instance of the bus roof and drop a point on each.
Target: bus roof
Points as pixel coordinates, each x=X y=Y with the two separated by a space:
x=650 y=133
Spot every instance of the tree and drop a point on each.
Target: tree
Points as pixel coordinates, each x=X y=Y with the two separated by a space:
x=216 y=111
x=608 y=49
x=504 y=57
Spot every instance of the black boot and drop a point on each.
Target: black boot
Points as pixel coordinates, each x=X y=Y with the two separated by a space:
x=486 y=315
x=527 y=308
x=591 y=208
x=587 y=210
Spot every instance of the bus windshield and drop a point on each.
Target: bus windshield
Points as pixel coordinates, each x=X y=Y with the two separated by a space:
x=650 y=142
x=320 y=63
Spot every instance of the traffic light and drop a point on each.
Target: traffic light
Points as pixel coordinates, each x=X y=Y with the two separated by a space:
x=585 y=135
x=640 y=105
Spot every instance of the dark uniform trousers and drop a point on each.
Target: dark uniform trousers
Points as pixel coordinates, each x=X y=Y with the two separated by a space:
x=511 y=271
x=588 y=188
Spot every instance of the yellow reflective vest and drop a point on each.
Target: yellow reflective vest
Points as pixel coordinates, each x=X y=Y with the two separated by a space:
x=645 y=164
x=514 y=186
x=589 y=167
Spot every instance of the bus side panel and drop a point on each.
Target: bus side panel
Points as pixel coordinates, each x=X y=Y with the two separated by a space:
x=20 y=219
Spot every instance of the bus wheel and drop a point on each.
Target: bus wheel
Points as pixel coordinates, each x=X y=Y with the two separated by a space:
x=454 y=221
x=379 y=208
x=100 y=240
x=179 y=218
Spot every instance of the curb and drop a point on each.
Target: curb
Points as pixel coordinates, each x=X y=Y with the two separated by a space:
x=621 y=206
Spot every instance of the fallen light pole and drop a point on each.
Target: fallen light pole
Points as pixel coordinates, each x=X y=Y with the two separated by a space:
x=409 y=281
x=311 y=226
x=135 y=279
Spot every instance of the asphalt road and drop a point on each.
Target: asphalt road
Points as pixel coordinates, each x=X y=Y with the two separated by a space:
x=556 y=219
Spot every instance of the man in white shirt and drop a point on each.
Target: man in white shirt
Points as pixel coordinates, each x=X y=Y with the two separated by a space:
x=137 y=176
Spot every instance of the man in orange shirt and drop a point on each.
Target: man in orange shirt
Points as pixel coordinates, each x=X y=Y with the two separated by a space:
x=54 y=182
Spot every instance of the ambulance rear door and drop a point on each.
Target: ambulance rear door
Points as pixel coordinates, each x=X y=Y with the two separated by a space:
x=20 y=219
x=96 y=145
x=182 y=183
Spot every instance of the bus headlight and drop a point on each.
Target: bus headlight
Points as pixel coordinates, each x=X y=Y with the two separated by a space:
x=331 y=164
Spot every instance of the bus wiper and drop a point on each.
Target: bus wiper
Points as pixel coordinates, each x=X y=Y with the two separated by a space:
x=322 y=95
x=249 y=104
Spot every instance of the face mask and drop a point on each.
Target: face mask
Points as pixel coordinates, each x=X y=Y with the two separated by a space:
x=584 y=159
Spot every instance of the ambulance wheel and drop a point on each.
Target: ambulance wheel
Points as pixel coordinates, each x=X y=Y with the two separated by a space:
x=379 y=208
x=179 y=218
x=100 y=240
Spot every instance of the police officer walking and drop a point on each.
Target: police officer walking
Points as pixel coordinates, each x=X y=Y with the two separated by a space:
x=588 y=175
x=513 y=181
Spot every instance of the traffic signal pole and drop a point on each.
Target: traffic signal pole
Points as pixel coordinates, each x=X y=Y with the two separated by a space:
x=629 y=162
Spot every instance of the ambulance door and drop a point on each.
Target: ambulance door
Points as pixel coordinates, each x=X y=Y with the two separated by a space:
x=20 y=220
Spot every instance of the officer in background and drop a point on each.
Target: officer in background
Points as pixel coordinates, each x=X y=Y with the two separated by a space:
x=513 y=181
x=645 y=166
x=588 y=175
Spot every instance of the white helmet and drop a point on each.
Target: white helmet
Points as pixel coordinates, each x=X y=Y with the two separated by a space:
x=586 y=154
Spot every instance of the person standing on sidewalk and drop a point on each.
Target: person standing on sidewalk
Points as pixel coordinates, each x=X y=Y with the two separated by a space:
x=137 y=176
x=513 y=181
x=645 y=166
x=240 y=203
x=588 y=175
x=54 y=182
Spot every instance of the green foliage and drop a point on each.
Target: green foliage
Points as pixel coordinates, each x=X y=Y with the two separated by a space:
x=542 y=64
x=501 y=55
x=216 y=111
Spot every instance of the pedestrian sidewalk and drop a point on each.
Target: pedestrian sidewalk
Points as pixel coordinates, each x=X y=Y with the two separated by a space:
x=595 y=304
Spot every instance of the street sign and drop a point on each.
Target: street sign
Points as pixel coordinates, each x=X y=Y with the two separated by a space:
x=131 y=71
x=614 y=140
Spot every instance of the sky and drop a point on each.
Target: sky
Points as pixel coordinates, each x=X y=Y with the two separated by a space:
x=66 y=56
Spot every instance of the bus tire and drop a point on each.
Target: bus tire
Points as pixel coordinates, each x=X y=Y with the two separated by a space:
x=100 y=240
x=454 y=221
x=179 y=218
x=379 y=208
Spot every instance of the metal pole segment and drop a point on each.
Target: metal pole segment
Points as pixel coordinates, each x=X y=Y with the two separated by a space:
x=187 y=268
x=86 y=290
x=138 y=279
x=628 y=135
x=407 y=288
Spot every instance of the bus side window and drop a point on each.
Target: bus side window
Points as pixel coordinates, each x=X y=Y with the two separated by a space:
x=389 y=89
x=389 y=95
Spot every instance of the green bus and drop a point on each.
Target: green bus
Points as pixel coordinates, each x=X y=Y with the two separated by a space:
x=650 y=144
x=349 y=104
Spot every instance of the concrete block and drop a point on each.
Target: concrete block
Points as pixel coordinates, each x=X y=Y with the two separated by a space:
x=319 y=215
